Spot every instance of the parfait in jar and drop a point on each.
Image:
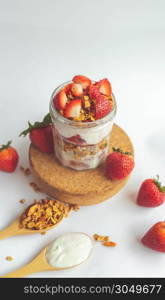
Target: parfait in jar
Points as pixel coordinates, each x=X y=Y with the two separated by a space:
x=82 y=113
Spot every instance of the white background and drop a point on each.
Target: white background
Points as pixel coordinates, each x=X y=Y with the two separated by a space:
x=44 y=43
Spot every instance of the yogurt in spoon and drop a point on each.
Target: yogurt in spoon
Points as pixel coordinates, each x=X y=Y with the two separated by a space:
x=69 y=249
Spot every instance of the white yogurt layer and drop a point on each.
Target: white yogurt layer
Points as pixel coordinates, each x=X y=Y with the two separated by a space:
x=69 y=249
x=91 y=135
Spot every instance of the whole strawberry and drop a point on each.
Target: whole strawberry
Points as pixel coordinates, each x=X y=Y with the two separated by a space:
x=8 y=158
x=41 y=134
x=118 y=164
x=155 y=237
x=151 y=193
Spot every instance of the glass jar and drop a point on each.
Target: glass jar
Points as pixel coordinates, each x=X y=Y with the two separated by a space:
x=81 y=145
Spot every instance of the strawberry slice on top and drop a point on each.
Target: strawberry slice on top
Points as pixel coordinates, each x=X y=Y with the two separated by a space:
x=102 y=105
x=72 y=109
x=76 y=89
x=67 y=88
x=60 y=100
x=83 y=80
x=94 y=92
x=84 y=100
x=104 y=87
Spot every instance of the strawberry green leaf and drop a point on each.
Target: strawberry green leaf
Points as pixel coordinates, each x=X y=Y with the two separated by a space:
x=7 y=145
x=46 y=121
x=120 y=151
x=158 y=184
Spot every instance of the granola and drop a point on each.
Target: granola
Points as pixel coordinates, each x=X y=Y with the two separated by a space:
x=22 y=201
x=105 y=240
x=26 y=171
x=35 y=187
x=44 y=214
x=80 y=151
x=9 y=258
x=109 y=244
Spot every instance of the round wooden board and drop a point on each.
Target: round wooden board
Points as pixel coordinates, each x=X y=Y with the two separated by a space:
x=77 y=187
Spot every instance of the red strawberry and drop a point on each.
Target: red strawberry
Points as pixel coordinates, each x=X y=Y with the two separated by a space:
x=94 y=92
x=151 y=193
x=118 y=165
x=41 y=134
x=78 y=164
x=155 y=237
x=83 y=80
x=104 y=87
x=103 y=107
x=42 y=138
x=60 y=100
x=102 y=104
x=72 y=109
x=76 y=89
x=76 y=139
x=8 y=158
x=67 y=88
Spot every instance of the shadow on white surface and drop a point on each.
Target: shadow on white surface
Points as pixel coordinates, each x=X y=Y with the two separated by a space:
x=131 y=196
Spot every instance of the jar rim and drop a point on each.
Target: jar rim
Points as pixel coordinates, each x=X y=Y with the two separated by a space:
x=55 y=114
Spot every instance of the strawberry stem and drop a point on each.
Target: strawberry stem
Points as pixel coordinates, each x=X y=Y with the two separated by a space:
x=158 y=184
x=7 y=145
x=120 y=151
x=45 y=122
x=47 y=119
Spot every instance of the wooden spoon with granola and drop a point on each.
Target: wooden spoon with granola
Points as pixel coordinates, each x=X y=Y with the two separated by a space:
x=38 y=217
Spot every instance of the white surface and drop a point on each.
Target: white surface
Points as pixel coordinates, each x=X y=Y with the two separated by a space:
x=46 y=42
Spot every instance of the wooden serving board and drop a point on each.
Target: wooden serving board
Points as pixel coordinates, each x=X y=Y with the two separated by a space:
x=77 y=187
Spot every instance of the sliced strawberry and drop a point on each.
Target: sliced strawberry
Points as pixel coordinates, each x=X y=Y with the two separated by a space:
x=78 y=164
x=94 y=92
x=102 y=105
x=76 y=139
x=104 y=87
x=67 y=88
x=60 y=100
x=76 y=89
x=83 y=80
x=72 y=109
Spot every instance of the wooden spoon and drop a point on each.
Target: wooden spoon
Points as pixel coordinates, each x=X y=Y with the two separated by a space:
x=38 y=264
x=14 y=229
